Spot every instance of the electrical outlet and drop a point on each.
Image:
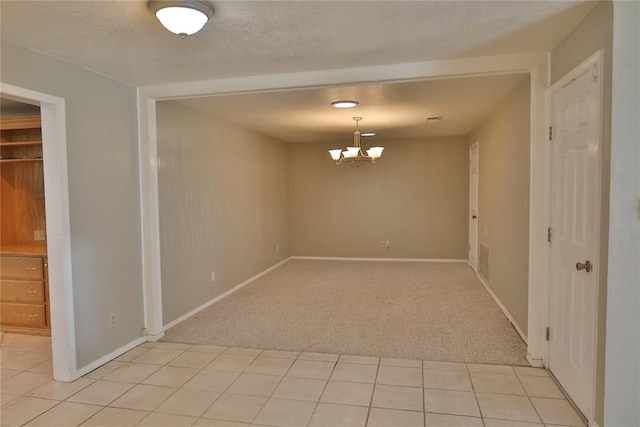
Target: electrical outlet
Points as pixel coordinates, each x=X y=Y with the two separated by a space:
x=213 y=276
x=381 y=244
x=112 y=320
x=387 y=244
x=38 y=234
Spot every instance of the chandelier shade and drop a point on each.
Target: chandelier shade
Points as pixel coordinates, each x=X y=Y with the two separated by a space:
x=182 y=17
x=353 y=155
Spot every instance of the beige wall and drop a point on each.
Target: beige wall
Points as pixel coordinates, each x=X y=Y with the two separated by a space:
x=416 y=197
x=503 y=199
x=594 y=32
x=102 y=157
x=223 y=206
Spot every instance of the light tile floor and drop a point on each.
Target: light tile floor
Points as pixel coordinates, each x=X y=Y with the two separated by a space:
x=166 y=384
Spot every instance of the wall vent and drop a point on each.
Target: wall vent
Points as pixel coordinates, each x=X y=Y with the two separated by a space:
x=484 y=261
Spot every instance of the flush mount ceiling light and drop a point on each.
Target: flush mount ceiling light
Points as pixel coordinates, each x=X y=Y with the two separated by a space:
x=182 y=17
x=344 y=104
x=353 y=155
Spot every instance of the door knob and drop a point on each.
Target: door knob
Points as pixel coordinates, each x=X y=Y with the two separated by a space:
x=474 y=216
x=584 y=266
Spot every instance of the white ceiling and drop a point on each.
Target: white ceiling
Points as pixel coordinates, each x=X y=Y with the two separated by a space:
x=392 y=110
x=123 y=39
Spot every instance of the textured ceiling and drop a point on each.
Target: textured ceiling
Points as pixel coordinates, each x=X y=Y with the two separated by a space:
x=392 y=110
x=124 y=40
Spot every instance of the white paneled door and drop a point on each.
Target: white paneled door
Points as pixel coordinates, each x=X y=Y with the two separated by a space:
x=575 y=152
x=473 y=206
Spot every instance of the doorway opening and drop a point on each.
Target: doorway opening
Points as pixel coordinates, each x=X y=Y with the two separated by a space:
x=53 y=158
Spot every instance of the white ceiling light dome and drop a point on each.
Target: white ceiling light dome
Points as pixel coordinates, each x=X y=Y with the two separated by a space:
x=182 y=17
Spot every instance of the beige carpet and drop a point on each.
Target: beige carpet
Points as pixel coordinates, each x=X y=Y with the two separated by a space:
x=411 y=310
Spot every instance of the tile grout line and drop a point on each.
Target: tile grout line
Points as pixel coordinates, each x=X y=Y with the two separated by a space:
x=529 y=399
x=373 y=391
x=475 y=395
x=231 y=383
x=424 y=397
x=326 y=384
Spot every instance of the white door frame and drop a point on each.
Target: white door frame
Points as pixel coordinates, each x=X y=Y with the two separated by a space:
x=595 y=59
x=474 y=264
x=54 y=150
x=533 y=64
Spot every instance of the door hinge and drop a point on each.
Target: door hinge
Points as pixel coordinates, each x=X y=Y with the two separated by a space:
x=548 y=334
x=594 y=73
x=550 y=133
x=549 y=234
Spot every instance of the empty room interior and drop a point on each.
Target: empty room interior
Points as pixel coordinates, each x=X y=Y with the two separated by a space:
x=284 y=218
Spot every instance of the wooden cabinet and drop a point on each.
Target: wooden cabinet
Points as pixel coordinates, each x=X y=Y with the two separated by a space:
x=20 y=139
x=23 y=255
x=24 y=305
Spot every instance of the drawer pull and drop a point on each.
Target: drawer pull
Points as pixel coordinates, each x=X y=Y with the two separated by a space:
x=32 y=292
x=30 y=268
x=33 y=315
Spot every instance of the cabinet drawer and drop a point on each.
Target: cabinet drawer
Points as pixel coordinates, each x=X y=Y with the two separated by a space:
x=17 y=291
x=21 y=268
x=27 y=315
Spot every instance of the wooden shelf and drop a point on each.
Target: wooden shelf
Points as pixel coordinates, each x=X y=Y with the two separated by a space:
x=20 y=143
x=21 y=122
x=39 y=159
x=25 y=249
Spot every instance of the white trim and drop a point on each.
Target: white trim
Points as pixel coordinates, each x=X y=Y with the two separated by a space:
x=476 y=144
x=595 y=59
x=499 y=64
x=503 y=308
x=328 y=258
x=535 y=64
x=150 y=218
x=539 y=185
x=223 y=295
x=109 y=357
x=54 y=149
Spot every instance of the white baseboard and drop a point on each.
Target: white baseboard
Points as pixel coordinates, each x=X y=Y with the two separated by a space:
x=503 y=308
x=109 y=357
x=223 y=295
x=536 y=363
x=153 y=337
x=325 y=258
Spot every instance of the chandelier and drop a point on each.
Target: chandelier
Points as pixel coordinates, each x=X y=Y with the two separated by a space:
x=353 y=155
